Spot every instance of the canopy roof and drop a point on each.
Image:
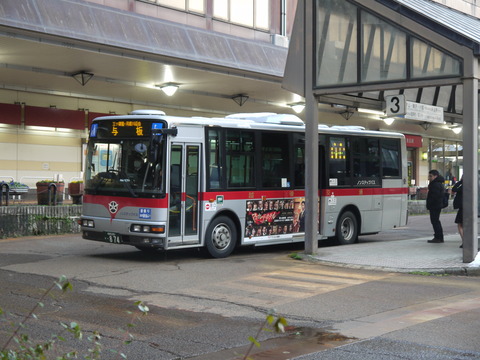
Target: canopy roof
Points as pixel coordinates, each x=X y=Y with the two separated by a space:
x=355 y=52
x=414 y=47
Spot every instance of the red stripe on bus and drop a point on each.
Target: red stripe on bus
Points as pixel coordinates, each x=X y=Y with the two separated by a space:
x=365 y=191
x=277 y=194
x=125 y=201
x=246 y=195
x=238 y=195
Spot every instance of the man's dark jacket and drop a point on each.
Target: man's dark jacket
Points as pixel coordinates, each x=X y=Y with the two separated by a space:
x=436 y=191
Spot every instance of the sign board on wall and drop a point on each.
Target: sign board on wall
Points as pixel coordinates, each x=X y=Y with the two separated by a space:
x=413 y=141
x=397 y=106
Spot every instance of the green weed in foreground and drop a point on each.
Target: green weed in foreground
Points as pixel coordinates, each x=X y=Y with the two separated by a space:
x=272 y=323
x=426 y=273
x=296 y=256
x=19 y=345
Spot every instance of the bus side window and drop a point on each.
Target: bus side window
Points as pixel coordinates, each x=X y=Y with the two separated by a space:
x=366 y=160
x=213 y=158
x=275 y=159
x=338 y=162
x=390 y=157
x=299 y=165
x=240 y=158
x=214 y=176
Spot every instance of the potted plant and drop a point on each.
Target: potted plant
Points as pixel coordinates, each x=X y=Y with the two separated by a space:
x=75 y=190
x=46 y=190
x=16 y=187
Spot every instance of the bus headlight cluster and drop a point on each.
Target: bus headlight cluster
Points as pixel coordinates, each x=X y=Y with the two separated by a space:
x=86 y=223
x=158 y=229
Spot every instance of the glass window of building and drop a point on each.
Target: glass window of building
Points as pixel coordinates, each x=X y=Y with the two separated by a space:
x=178 y=4
x=452 y=168
x=220 y=9
x=251 y=13
x=262 y=14
x=190 y=5
x=196 y=6
x=437 y=155
x=241 y=12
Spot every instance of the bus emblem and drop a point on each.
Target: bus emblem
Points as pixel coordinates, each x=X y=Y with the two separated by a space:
x=113 y=207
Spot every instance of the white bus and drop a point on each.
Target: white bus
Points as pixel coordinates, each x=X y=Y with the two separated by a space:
x=162 y=182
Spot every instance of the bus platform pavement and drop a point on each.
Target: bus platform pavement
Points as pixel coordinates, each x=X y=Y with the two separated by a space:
x=406 y=255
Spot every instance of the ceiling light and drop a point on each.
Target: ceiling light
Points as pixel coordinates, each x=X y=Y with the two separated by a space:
x=82 y=77
x=240 y=99
x=169 y=88
x=389 y=120
x=38 y=128
x=371 y=111
x=457 y=130
x=297 y=107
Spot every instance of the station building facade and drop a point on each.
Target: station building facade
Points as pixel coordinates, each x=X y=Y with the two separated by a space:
x=45 y=113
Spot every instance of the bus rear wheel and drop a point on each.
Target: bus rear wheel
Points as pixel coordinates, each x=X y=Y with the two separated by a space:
x=347 y=228
x=221 y=237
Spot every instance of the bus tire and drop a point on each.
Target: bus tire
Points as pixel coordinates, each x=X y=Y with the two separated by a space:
x=221 y=237
x=347 y=228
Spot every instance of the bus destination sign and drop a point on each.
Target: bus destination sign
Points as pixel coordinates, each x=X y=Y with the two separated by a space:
x=123 y=128
x=133 y=126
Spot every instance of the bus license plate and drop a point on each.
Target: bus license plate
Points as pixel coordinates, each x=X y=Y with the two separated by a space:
x=113 y=238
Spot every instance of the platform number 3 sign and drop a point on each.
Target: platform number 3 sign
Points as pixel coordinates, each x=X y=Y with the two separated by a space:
x=395 y=105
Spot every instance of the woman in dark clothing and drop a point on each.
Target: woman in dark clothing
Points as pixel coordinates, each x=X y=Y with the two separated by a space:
x=458 y=204
x=436 y=191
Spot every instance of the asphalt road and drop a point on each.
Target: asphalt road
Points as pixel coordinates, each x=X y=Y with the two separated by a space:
x=202 y=308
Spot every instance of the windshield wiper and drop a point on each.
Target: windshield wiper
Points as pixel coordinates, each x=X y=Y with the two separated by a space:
x=126 y=182
x=115 y=175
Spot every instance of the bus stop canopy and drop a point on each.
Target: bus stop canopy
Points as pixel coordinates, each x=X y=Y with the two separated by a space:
x=354 y=53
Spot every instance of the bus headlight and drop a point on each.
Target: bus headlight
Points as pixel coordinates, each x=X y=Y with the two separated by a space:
x=136 y=228
x=158 y=229
x=86 y=223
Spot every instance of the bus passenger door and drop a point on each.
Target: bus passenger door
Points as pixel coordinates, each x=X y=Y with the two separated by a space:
x=183 y=194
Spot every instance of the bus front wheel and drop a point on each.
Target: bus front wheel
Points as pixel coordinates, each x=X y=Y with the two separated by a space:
x=221 y=237
x=347 y=228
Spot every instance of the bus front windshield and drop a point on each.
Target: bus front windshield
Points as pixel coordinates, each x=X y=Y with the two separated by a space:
x=128 y=167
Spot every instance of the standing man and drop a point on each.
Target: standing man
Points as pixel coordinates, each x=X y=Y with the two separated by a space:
x=458 y=204
x=435 y=196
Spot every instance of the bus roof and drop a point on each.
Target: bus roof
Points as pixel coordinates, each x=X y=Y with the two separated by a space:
x=263 y=120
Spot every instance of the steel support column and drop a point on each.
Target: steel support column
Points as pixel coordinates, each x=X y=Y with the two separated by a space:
x=470 y=160
x=311 y=137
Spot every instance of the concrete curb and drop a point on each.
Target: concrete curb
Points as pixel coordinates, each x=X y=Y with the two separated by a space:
x=459 y=271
